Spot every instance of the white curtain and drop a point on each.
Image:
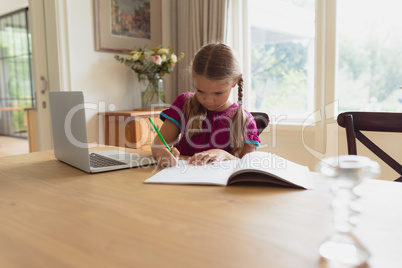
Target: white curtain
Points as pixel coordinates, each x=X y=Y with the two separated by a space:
x=198 y=23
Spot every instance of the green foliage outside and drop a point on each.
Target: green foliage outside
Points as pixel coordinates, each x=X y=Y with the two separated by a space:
x=279 y=77
x=370 y=74
x=16 y=63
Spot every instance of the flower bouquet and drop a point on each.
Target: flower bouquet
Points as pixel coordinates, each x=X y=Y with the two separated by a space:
x=151 y=65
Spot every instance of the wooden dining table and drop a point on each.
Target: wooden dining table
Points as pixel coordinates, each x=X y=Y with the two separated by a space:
x=54 y=215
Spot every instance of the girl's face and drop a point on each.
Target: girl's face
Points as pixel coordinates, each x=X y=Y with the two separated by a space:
x=212 y=95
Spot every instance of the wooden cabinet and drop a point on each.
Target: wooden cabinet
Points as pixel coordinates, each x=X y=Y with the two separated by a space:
x=131 y=129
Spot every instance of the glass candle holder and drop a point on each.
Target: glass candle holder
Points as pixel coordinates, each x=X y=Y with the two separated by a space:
x=346 y=172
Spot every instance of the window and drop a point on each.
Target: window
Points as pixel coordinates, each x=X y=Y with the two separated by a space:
x=282 y=41
x=16 y=90
x=369 y=69
x=295 y=54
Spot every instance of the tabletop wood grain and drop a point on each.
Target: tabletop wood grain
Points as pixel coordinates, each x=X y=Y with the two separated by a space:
x=53 y=215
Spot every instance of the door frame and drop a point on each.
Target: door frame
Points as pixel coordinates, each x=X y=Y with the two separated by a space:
x=50 y=59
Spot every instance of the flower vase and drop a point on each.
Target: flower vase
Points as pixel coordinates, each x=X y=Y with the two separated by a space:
x=153 y=94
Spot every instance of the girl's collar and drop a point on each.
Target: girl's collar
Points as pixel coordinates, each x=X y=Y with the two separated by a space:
x=231 y=107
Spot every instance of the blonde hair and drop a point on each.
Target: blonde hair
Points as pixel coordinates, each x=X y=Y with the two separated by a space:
x=217 y=62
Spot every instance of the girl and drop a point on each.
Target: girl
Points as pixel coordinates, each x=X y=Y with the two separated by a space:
x=206 y=125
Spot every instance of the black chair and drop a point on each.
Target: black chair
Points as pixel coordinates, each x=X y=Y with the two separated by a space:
x=262 y=120
x=355 y=122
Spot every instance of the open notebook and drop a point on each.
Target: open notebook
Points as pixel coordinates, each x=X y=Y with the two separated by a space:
x=261 y=167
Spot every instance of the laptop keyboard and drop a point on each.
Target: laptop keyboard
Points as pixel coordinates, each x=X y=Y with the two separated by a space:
x=98 y=161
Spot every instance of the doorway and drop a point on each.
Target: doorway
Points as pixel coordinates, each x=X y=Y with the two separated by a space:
x=16 y=86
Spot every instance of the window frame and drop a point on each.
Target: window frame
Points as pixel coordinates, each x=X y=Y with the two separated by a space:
x=325 y=58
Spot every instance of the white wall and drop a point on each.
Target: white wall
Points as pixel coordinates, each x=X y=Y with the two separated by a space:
x=98 y=74
x=8 y=6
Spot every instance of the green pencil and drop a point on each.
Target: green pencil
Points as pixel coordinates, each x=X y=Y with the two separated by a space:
x=160 y=135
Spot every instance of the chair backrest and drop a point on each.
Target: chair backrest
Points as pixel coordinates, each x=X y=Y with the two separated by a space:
x=262 y=120
x=355 y=122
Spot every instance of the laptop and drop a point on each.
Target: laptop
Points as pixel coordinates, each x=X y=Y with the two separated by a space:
x=70 y=141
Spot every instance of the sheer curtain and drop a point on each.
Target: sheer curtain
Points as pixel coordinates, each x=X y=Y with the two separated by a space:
x=198 y=23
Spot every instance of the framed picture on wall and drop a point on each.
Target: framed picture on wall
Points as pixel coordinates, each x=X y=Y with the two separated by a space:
x=122 y=25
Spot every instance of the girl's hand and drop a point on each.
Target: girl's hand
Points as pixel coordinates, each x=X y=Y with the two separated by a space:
x=210 y=156
x=167 y=159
